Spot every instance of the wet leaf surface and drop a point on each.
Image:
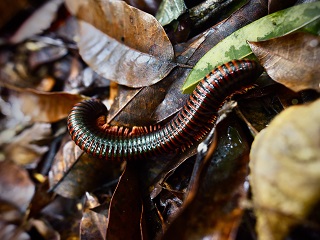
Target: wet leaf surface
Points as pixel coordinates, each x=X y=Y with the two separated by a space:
x=137 y=46
x=170 y=10
x=291 y=60
x=135 y=28
x=288 y=147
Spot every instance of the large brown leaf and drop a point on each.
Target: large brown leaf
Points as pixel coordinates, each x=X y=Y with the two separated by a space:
x=285 y=170
x=118 y=62
x=292 y=60
x=126 y=24
x=134 y=42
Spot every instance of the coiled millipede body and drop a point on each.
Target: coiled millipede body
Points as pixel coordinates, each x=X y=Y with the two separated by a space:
x=89 y=130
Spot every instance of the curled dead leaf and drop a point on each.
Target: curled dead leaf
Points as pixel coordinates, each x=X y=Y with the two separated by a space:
x=292 y=60
x=285 y=170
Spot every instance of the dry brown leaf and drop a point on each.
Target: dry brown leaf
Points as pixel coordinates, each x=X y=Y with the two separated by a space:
x=128 y=25
x=118 y=62
x=38 y=21
x=126 y=207
x=73 y=173
x=285 y=170
x=93 y=225
x=45 y=106
x=292 y=60
x=23 y=149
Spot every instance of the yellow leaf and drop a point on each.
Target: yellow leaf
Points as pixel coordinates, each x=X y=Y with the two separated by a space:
x=285 y=170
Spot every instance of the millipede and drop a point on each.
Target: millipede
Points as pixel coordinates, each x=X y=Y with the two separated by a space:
x=88 y=127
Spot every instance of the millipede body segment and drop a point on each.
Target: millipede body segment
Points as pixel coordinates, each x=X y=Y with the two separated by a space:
x=88 y=128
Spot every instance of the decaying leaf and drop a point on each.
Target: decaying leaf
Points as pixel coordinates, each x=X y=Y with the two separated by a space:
x=93 y=225
x=285 y=170
x=16 y=188
x=126 y=199
x=73 y=173
x=128 y=25
x=118 y=62
x=215 y=212
x=292 y=60
x=122 y=43
x=23 y=148
x=45 y=106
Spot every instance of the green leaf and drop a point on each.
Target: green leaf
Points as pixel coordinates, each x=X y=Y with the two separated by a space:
x=235 y=46
x=170 y=10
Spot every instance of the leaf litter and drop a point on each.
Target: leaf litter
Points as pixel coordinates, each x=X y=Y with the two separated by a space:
x=159 y=186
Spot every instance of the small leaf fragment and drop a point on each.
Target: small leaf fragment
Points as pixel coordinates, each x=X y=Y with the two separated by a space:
x=16 y=187
x=292 y=60
x=170 y=10
x=285 y=170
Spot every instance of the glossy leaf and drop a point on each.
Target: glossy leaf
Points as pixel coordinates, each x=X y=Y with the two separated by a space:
x=125 y=207
x=118 y=62
x=285 y=170
x=292 y=60
x=235 y=46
